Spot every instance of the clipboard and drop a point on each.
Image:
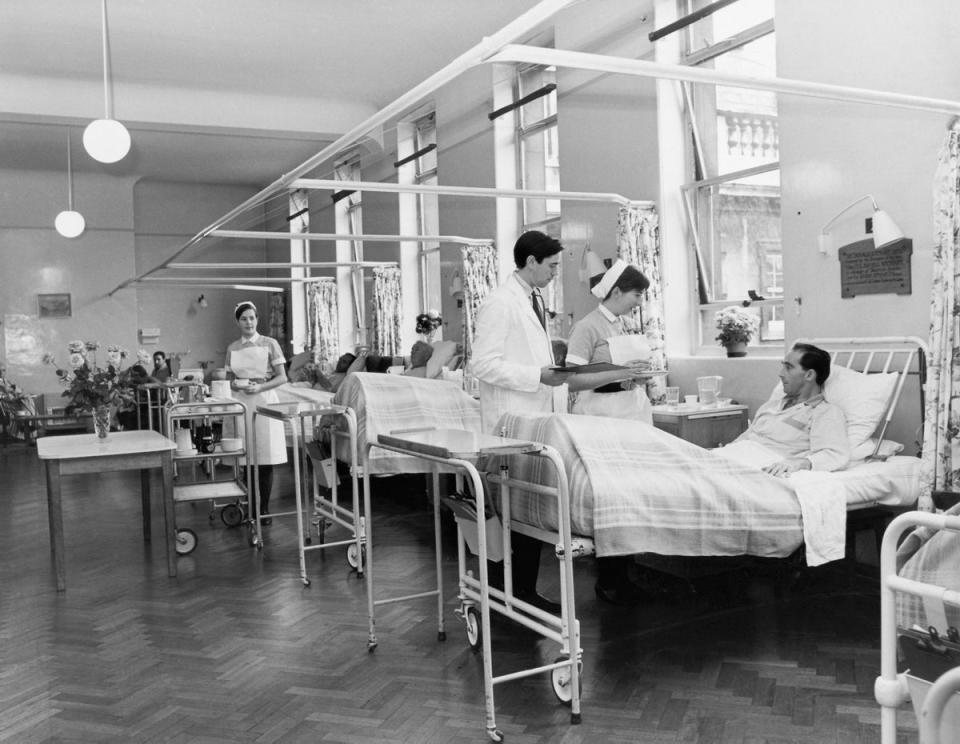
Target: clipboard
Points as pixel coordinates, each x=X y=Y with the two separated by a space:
x=577 y=369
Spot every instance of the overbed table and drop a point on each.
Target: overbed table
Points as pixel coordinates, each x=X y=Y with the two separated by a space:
x=122 y=450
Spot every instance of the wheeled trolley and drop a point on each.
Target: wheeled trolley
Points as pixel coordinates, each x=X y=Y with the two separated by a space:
x=204 y=469
x=296 y=415
x=463 y=452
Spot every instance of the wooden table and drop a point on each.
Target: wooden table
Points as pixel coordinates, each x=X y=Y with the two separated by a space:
x=122 y=450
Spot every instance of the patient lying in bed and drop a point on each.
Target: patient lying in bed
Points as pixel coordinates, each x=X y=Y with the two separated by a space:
x=801 y=430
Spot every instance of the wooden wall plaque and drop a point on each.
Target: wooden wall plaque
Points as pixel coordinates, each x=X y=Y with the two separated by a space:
x=868 y=270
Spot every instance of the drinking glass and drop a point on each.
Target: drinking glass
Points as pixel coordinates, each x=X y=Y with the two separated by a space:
x=673 y=396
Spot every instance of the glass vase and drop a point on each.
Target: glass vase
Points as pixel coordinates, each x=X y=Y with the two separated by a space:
x=101 y=421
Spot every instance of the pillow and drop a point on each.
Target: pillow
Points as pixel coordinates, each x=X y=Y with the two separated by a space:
x=863 y=399
x=888 y=448
x=443 y=352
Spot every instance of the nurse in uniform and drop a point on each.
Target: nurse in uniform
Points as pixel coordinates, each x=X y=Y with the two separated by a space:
x=255 y=366
x=619 y=290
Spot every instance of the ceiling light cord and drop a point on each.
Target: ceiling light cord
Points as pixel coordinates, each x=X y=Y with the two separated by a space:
x=107 y=96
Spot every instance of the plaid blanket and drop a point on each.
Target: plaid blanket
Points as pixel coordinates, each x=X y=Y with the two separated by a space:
x=385 y=403
x=636 y=489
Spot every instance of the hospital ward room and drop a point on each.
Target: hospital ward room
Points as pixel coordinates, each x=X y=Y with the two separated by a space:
x=535 y=371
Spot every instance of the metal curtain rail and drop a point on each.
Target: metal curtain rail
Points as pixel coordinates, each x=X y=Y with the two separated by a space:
x=516 y=29
x=269 y=235
x=321 y=183
x=188 y=266
x=626 y=66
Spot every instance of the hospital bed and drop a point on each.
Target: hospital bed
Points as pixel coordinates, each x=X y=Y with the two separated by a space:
x=635 y=489
x=920 y=607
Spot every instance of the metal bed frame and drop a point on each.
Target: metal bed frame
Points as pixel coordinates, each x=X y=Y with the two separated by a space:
x=891 y=688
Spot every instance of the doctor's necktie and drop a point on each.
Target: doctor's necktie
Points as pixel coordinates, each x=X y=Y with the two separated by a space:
x=537 y=300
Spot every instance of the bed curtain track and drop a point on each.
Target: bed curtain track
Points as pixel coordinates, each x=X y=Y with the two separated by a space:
x=323 y=331
x=940 y=460
x=386 y=310
x=480 y=277
x=638 y=243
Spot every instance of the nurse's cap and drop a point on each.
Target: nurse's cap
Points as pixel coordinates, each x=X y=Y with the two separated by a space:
x=602 y=288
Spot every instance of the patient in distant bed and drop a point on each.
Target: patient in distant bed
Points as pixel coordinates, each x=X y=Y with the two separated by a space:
x=801 y=431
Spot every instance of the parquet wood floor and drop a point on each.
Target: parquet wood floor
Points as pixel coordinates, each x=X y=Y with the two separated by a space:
x=236 y=649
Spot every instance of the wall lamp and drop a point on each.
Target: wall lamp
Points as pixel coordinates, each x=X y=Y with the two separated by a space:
x=885 y=230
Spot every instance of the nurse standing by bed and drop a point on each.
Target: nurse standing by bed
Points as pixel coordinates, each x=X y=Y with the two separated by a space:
x=255 y=364
x=619 y=290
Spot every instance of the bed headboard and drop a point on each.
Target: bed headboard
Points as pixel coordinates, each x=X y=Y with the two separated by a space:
x=904 y=355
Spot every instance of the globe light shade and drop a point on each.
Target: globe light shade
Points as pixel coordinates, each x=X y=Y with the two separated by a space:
x=70 y=224
x=106 y=140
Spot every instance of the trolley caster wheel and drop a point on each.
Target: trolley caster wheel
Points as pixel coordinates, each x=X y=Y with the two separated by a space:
x=306 y=582
x=352 y=556
x=474 y=629
x=441 y=635
x=371 y=646
x=231 y=515
x=495 y=735
x=186 y=541
x=560 y=679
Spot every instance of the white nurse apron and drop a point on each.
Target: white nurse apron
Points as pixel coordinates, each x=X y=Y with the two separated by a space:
x=253 y=362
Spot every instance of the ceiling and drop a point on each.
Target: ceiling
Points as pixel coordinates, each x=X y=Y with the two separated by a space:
x=218 y=91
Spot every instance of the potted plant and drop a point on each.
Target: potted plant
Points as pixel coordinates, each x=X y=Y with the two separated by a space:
x=737 y=327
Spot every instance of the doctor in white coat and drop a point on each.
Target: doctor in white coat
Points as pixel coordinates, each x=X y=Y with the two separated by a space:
x=512 y=359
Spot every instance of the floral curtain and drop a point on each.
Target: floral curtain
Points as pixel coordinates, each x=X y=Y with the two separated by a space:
x=278 y=318
x=387 y=310
x=940 y=460
x=638 y=243
x=480 y=277
x=323 y=331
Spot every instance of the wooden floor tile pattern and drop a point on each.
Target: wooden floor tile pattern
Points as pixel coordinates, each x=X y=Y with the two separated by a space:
x=236 y=649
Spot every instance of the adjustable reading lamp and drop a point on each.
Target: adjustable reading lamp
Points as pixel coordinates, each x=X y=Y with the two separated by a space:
x=885 y=230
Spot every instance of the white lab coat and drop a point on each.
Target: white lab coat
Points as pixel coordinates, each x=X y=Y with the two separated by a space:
x=509 y=349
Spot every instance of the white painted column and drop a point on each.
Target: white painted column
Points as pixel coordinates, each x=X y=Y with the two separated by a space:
x=679 y=273
x=505 y=168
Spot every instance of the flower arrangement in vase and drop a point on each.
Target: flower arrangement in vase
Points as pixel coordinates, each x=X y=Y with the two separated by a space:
x=737 y=327
x=90 y=387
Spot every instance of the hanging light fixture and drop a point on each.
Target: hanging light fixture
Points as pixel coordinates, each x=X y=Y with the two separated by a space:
x=69 y=223
x=106 y=139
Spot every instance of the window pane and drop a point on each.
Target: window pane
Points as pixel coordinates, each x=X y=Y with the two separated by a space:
x=738 y=224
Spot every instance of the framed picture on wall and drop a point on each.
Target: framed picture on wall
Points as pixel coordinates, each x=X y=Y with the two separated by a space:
x=53 y=305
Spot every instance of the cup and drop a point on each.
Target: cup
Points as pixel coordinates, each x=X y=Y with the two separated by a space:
x=673 y=396
x=708 y=389
x=690 y=400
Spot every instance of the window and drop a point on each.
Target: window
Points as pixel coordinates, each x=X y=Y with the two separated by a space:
x=539 y=166
x=733 y=198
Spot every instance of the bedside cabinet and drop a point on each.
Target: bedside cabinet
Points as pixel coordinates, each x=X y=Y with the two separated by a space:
x=706 y=427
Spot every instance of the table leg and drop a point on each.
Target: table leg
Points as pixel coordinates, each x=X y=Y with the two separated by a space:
x=55 y=518
x=169 y=521
x=145 y=502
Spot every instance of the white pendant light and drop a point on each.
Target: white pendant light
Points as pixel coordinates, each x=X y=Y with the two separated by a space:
x=68 y=223
x=106 y=139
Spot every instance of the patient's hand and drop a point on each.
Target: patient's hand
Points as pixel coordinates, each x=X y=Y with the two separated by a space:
x=788 y=465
